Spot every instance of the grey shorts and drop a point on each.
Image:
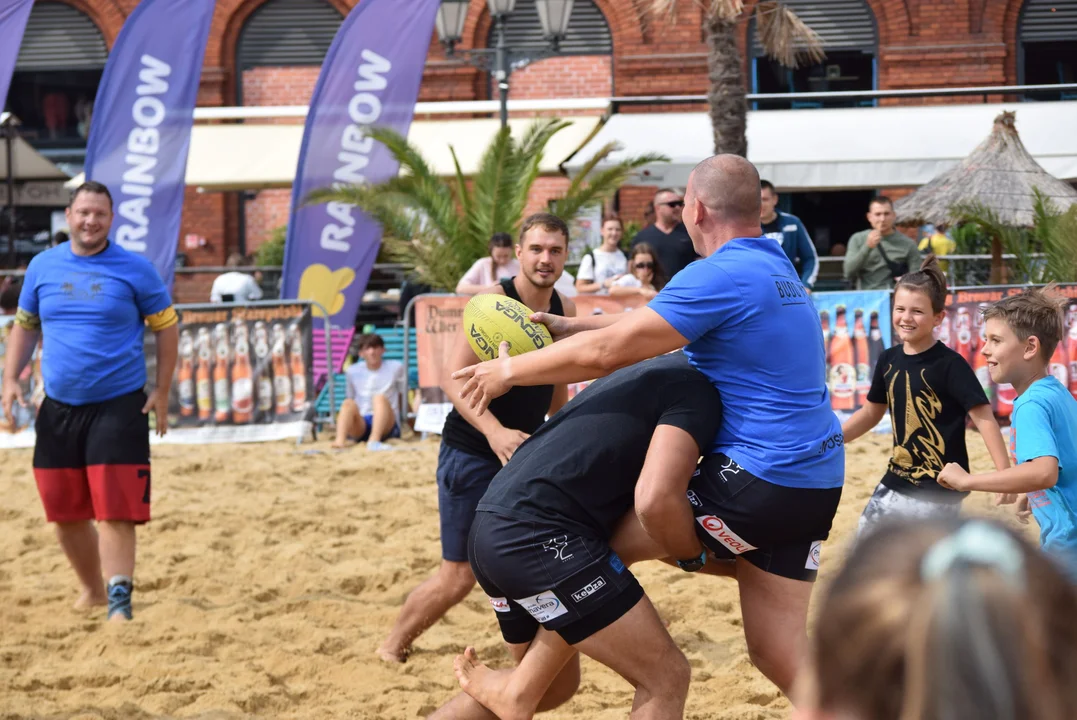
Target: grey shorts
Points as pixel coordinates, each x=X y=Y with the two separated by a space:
x=887 y=505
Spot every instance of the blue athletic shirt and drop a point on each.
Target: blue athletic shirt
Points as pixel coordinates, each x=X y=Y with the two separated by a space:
x=1044 y=424
x=753 y=330
x=91 y=311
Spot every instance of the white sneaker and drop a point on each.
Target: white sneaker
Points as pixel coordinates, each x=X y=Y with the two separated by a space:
x=374 y=445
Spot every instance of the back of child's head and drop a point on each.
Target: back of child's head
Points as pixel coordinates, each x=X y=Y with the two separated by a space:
x=945 y=619
x=1035 y=312
x=929 y=280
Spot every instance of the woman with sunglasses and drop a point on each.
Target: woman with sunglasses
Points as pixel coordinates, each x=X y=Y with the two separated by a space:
x=645 y=274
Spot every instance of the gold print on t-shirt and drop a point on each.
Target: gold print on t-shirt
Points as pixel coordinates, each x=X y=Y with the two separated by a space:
x=918 y=445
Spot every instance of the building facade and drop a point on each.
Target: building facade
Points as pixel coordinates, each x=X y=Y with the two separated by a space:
x=267 y=52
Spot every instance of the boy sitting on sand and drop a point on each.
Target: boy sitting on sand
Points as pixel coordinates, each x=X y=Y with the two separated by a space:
x=1021 y=335
x=372 y=405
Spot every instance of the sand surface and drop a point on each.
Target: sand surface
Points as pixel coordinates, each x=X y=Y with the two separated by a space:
x=268 y=577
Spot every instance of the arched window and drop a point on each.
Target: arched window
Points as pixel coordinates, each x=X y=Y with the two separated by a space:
x=288 y=32
x=1047 y=45
x=588 y=31
x=583 y=66
x=850 y=40
x=284 y=34
x=57 y=72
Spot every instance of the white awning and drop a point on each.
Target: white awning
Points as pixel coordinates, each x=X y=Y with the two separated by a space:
x=256 y=156
x=836 y=149
x=28 y=164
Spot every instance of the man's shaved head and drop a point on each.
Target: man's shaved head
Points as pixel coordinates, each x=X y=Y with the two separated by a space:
x=721 y=203
x=728 y=185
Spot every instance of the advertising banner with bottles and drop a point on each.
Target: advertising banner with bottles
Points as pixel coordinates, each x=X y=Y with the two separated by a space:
x=856 y=329
x=243 y=374
x=962 y=330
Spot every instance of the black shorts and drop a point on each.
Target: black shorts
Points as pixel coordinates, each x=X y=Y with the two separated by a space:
x=92 y=462
x=537 y=573
x=776 y=528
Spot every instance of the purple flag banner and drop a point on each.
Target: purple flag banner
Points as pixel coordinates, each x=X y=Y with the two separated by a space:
x=370 y=77
x=13 y=16
x=141 y=127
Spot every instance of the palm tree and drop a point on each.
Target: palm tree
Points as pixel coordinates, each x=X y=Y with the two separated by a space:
x=1045 y=252
x=442 y=225
x=783 y=36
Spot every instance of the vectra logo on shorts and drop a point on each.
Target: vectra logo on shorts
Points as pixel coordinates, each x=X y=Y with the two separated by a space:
x=720 y=532
x=499 y=604
x=544 y=606
x=813 y=555
x=589 y=589
x=523 y=321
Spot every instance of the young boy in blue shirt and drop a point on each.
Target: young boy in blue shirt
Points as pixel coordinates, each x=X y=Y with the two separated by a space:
x=1021 y=335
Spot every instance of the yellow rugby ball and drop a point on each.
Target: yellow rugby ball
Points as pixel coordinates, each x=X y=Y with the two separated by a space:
x=490 y=319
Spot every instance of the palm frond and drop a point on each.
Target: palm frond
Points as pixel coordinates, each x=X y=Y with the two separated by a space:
x=595 y=187
x=728 y=10
x=493 y=185
x=785 y=37
x=463 y=193
x=411 y=160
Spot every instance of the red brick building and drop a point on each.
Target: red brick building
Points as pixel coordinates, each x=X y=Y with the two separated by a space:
x=265 y=52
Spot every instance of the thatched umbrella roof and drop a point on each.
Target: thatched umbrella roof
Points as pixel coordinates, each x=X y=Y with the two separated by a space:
x=999 y=174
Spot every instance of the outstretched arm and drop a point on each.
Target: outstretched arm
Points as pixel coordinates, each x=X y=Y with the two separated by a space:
x=642 y=334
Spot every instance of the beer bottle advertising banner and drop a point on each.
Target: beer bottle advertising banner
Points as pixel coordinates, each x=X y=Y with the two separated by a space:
x=856 y=329
x=243 y=373
x=962 y=330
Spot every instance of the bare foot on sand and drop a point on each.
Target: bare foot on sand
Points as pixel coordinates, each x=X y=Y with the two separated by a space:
x=488 y=687
x=89 y=600
x=339 y=444
x=392 y=656
x=119 y=618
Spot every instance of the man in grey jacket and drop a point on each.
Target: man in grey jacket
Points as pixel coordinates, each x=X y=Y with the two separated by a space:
x=876 y=258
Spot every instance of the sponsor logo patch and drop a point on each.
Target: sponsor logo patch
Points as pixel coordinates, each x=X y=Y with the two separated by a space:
x=589 y=589
x=499 y=604
x=718 y=530
x=557 y=546
x=543 y=607
x=813 y=555
x=694 y=499
x=616 y=564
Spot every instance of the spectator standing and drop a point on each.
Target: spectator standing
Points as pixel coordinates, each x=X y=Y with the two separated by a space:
x=668 y=236
x=787 y=230
x=234 y=286
x=606 y=263
x=938 y=243
x=371 y=410
x=91 y=300
x=59 y=238
x=876 y=258
x=498 y=265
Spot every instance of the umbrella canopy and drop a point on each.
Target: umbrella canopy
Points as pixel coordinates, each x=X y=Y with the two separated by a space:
x=1000 y=174
x=28 y=163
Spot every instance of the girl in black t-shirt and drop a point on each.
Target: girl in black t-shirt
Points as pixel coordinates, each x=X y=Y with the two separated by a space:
x=928 y=389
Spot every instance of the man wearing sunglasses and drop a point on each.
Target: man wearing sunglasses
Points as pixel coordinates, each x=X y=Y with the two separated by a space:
x=668 y=236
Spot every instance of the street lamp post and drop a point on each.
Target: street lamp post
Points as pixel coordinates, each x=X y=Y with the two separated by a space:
x=501 y=60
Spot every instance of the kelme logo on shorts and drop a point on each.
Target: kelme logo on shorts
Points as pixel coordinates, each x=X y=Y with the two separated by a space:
x=544 y=606
x=499 y=604
x=813 y=555
x=720 y=532
x=589 y=589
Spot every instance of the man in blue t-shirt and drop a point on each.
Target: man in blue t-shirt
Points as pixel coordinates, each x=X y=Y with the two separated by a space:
x=90 y=300
x=1021 y=333
x=767 y=491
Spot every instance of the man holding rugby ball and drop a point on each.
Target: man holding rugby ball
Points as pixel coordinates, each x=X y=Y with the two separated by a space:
x=475 y=447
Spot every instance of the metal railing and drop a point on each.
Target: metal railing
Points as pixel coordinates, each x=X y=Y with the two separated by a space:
x=961 y=270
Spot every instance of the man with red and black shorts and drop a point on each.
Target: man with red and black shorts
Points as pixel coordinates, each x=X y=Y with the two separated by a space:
x=90 y=299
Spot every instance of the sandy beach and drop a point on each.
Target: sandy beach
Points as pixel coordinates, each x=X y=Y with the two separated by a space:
x=271 y=572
